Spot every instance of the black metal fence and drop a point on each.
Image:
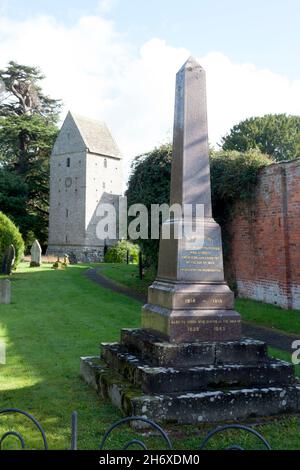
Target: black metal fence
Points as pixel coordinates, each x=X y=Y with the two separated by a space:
x=137 y=442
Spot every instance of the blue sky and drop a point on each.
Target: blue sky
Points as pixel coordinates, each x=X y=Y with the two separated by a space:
x=116 y=60
x=263 y=32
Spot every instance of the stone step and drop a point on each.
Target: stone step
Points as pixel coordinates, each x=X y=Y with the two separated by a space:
x=162 y=353
x=190 y=407
x=218 y=406
x=153 y=379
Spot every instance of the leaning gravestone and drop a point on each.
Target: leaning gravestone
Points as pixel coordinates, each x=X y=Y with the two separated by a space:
x=188 y=363
x=5 y=291
x=36 y=255
x=8 y=260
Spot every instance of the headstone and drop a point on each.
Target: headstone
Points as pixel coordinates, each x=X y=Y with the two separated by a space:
x=73 y=258
x=36 y=255
x=8 y=260
x=190 y=300
x=188 y=363
x=5 y=291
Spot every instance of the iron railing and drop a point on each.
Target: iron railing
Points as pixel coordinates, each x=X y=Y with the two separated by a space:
x=149 y=424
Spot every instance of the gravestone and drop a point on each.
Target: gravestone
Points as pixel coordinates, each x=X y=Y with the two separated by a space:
x=5 y=291
x=188 y=362
x=8 y=260
x=36 y=255
x=73 y=258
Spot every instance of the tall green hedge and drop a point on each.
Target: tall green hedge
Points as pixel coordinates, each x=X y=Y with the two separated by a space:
x=118 y=252
x=10 y=235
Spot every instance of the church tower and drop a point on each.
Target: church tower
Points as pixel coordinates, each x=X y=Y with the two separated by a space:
x=85 y=169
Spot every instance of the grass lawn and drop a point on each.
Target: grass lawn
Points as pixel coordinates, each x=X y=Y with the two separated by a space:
x=56 y=317
x=251 y=310
x=128 y=275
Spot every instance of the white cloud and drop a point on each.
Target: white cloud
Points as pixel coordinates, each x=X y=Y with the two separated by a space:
x=96 y=73
x=104 y=6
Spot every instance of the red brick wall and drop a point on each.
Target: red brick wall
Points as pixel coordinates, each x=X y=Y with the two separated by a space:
x=265 y=245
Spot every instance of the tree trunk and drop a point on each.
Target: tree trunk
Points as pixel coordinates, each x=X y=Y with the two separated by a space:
x=22 y=165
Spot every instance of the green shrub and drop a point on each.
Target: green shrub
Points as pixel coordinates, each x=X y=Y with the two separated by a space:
x=118 y=252
x=10 y=235
x=233 y=179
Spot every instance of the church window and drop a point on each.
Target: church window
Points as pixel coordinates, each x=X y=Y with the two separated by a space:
x=68 y=162
x=103 y=185
x=67 y=213
x=105 y=162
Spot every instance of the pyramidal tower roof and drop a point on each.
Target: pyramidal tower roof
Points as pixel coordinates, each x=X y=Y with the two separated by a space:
x=96 y=136
x=79 y=133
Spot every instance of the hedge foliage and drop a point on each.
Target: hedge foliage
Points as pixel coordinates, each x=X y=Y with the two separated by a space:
x=118 y=253
x=10 y=235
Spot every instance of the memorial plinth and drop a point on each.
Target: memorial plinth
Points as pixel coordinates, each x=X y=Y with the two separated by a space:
x=188 y=362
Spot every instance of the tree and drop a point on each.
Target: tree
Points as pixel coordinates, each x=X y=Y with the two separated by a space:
x=23 y=94
x=10 y=235
x=27 y=132
x=13 y=197
x=149 y=183
x=276 y=135
x=233 y=178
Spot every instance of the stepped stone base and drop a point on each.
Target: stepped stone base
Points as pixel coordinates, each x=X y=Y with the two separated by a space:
x=192 y=382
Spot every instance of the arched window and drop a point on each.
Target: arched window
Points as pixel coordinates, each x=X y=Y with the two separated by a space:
x=105 y=162
x=68 y=162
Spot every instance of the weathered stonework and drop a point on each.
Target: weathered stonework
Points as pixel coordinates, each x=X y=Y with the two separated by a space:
x=5 y=291
x=85 y=170
x=193 y=382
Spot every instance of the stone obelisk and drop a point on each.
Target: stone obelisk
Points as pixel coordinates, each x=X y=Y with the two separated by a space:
x=190 y=301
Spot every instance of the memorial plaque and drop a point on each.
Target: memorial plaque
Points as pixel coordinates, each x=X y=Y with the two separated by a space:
x=203 y=263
